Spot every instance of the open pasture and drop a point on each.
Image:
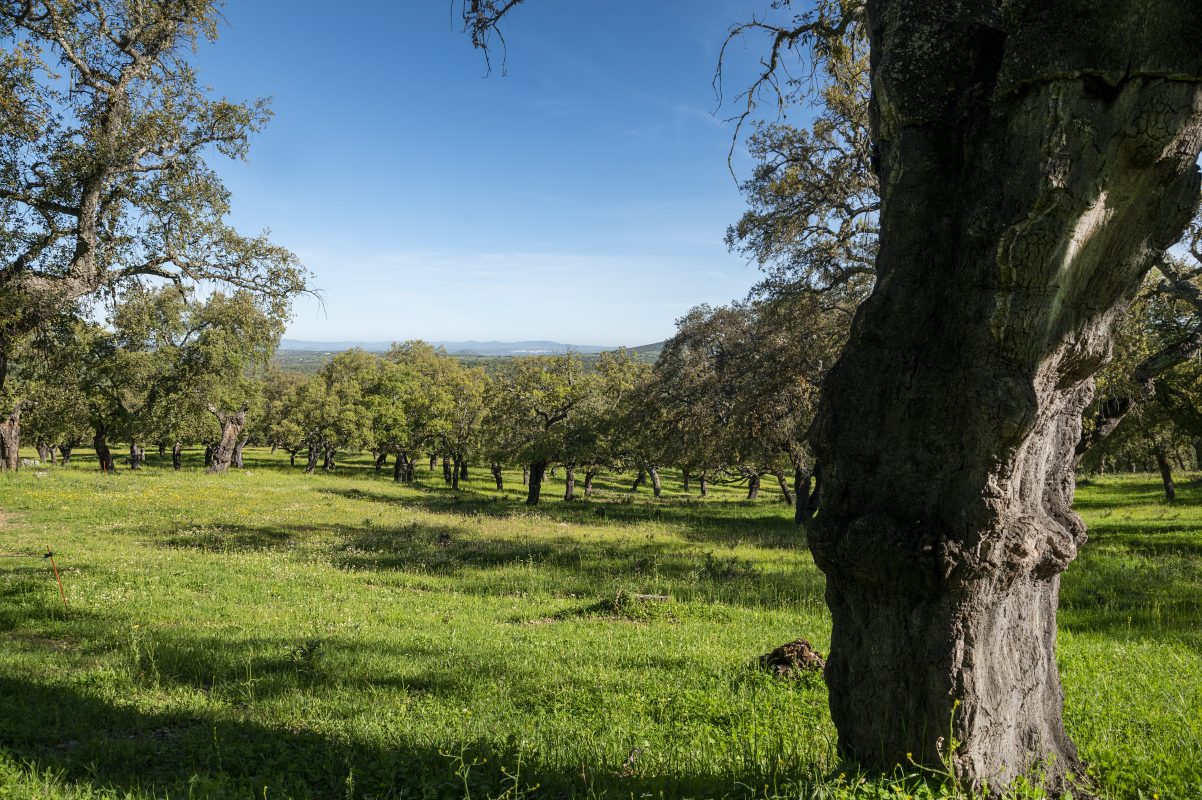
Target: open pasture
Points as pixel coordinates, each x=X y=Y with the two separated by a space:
x=267 y=634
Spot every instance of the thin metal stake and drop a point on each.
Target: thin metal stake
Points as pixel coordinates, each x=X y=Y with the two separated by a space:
x=63 y=594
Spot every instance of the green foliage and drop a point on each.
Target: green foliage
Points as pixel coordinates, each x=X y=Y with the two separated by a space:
x=103 y=154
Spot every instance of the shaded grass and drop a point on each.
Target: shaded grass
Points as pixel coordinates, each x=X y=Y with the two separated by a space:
x=266 y=633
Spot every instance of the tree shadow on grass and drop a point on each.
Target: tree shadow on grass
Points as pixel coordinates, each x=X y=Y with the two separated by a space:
x=92 y=738
x=577 y=566
x=226 y=538
x=97 y=742
x=1157 y=593
x=717 y=522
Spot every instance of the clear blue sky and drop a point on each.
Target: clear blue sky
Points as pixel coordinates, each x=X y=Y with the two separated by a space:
x=582 y=197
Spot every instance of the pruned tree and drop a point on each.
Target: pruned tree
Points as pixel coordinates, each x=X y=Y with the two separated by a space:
x=536 y=396
x=1034 y=160
x=232 y=423
x=103 y=173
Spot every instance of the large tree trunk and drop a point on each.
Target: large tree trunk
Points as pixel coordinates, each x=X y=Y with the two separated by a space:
x=103 y=455
x=10 y=440
x=43 y=452
x=569 y=477
x=65 y=451
x=1166 y=472
x=1032 y=165
x=463 y=468
x=656 y=486
x=231 y=428
x=703 y=484
x=237 y=462
x=446 y=470
x=496 y=474
x=455 y=464
x=177 y=455
x=753 y=485
x=684 y=479
x=381 y=461
x=292 y=457
x=134 y=460
x=403 y=468
x=311 y=463
x=785 y=493
x=537 y=470
x=639 y=480
x=589 y=474
x=806 y=501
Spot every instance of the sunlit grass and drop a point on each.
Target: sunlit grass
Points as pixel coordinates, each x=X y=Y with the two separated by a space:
x=266 y=633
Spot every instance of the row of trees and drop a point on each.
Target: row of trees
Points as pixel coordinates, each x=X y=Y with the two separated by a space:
x=167 y=369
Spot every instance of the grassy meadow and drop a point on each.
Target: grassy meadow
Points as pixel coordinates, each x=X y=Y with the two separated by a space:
x=266 y=634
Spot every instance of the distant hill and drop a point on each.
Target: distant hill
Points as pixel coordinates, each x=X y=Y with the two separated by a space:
x=295 y=355
x=540 y=348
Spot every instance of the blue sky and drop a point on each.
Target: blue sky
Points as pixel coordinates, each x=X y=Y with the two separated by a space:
x=582 y=197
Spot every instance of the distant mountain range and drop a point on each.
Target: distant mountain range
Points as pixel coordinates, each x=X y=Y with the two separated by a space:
x=463 y=348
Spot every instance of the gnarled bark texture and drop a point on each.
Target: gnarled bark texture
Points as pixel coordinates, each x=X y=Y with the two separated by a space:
x=104 y=456
x=231 y=429
x=1034 y=157
x=10 y=440
x=537 y=470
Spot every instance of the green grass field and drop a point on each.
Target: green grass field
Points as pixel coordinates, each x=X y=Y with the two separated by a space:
x=266 y=634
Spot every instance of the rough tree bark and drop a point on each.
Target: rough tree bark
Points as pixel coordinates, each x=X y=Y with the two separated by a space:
x=656 y=486
x=785 y=492
x=1166 y=472
x=526 y=475
x=237 y=462
x=496 y=474
x=753 y=485
x=684 y=480
x=446 y=469
x=806 y=501
x=231 y=429
x=134 y=460
x=463 y=468
x=10 y=439
x=177 y=455
x=65 y=451
x=639 y=480
x=589 y=474
x=381 y=461
x=104 y=456
x=455 y=464
x=703 y=484
x=43 y=452
x=569 y=477
x=537 y=470
x=1034 y=159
